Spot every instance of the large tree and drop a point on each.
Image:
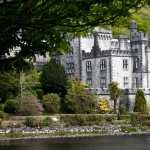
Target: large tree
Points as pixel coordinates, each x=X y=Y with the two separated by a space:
x=53 y=78
x=41 y=25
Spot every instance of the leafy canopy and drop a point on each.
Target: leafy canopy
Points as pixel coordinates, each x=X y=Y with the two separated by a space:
x=141 y=17
x=35 y=27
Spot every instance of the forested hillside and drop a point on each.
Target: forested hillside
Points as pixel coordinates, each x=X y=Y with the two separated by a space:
x=142 y=17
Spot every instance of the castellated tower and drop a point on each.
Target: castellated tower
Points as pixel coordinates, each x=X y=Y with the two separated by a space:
x=95 y=63
x=141 y=55
x=104 y=38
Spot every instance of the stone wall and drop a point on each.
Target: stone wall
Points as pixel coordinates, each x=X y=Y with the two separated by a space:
x=127 y=100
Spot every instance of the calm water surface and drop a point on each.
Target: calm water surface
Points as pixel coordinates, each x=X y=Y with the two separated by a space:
x=95 y=143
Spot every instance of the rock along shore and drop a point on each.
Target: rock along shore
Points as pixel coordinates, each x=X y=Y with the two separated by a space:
x=27 y=133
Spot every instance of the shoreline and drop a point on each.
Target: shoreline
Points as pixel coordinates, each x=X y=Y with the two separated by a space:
x=70 y=127
x=59 y=137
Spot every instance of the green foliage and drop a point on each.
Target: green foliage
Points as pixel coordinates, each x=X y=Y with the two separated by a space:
x=39 y=93
x=29 y=105
x=1 y=107
x=138 y=119
x=30 y=82
x=0 y=121
x=47 y=122
x=123 y=110
x=115 y=93
x=38 y=122
x=15 y=64
x=88 y=119
x=26 y=24
x=53 y=78
x=79 y=99
x=33 y=122
x=140 y=102
x=32 y=76
x=8 y=85
x=141 y=17
x=51 y=103
x=2 y=115
x=11 y=106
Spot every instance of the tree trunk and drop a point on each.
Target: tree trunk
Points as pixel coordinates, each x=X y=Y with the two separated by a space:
x=115 y=104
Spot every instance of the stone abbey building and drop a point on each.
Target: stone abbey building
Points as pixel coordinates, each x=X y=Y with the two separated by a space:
x=100 y=59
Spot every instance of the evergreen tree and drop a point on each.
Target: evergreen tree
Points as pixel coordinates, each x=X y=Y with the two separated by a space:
x=140 y=102
x=53 y=78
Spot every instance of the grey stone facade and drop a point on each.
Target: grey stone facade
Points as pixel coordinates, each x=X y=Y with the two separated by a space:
x=100 y=59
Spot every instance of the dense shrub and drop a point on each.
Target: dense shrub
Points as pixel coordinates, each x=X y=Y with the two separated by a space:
x=47 y=122
x=0 y=122
x=30 y=83
x=38 y=122
x=146 y=123
x=79 y=99
x=123 y=110
x=2 y=115
x=140 y=102
x=103 y=105
x=51 y=103
x=82 y=120
x=29 y=105
x=8 y=86
x=73 y=120
x=140 y=119
x=33 y=122
x=1 y=107
x=11 y=106
x=39 y=93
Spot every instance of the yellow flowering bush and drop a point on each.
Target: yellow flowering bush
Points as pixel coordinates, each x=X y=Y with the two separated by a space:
x=103 y=105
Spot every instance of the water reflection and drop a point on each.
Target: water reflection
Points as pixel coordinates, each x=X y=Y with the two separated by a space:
x=97 y=143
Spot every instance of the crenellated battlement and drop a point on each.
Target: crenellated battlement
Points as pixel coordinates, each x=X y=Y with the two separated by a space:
x=114 y=52
x=86 y=55
x=139 y=36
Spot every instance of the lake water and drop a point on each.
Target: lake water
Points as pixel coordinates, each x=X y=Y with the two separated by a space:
x=92 y=143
